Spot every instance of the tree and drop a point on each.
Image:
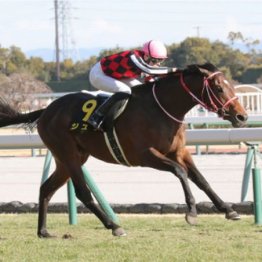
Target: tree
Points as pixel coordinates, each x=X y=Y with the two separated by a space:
x=111 y=51
x=82 y=68
x=4 y=57
x=17 y=60
x=20 y=89
x=193 y=50
x=236 y=62
x=50 y=67
x=248 y=42
x=36 y=66
x=235 y=36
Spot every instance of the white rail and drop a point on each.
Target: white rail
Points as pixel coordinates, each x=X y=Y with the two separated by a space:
x=194 y=137
x=20 y=141
x=223 y=136
x=214 y=119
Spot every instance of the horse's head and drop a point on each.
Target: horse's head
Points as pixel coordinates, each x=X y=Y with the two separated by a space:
x=218 y=95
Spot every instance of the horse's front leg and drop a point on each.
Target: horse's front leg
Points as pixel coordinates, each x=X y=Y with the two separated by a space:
x=155 y=159
x=195 y=175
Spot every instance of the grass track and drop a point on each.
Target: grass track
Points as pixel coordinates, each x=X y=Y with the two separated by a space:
x=150 y=238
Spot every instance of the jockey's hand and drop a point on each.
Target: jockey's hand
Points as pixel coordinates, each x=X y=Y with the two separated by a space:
x=149 y=79
x=172 y=70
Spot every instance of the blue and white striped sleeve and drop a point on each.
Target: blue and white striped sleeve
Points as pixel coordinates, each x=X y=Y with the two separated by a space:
x=151 y=70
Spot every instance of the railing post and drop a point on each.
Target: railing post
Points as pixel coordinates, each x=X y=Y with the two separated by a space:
x=198 y=149
x=46 y=168
x=256 y=178
x=99 y=196
x=72 y=210
x=33 y=154
x=257 y=193
x=207 y=146
x=257 y=196
x=247 y=171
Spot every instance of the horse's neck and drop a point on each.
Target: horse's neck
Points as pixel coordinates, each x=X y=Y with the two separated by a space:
x=174 y=98
x=170 y=94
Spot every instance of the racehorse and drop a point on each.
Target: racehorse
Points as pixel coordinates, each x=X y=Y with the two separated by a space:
x=150 y=131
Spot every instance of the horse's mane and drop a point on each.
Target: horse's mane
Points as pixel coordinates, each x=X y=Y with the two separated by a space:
x=195 y=68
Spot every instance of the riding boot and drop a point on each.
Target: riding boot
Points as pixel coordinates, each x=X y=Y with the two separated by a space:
x=107 y=110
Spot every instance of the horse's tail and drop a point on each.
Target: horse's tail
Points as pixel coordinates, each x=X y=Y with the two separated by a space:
x=29 y=118
x=9 y=116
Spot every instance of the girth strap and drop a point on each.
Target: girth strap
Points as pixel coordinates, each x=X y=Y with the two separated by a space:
x=114 y=147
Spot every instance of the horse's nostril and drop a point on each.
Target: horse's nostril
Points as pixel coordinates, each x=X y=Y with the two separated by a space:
x=241 y=118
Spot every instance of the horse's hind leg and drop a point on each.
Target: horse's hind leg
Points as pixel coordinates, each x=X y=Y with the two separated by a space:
x=84 y=195
x=195 y=175
x=47 y=190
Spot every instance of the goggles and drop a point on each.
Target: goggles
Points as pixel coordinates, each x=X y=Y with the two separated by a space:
x=157 y=60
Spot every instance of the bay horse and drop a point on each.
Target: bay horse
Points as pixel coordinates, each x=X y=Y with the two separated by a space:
x=151 y=132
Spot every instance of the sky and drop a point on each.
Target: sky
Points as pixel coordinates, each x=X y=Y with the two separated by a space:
x=29 y=24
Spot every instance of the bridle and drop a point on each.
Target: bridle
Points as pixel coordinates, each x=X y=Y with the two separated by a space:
x=210 y=95
x=220 y=110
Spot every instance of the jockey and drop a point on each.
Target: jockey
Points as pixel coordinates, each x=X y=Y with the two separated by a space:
x=119 y=72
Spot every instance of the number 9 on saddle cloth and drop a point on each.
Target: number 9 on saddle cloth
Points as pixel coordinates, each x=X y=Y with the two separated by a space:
x=91 y=102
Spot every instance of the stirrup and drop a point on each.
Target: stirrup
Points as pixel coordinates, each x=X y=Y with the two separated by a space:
x=100 y=125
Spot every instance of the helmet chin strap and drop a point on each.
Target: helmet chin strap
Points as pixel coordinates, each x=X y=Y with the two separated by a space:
x=149 y=52
x=146 y=58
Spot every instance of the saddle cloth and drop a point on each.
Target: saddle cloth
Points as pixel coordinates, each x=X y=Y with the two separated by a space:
x=87 y=106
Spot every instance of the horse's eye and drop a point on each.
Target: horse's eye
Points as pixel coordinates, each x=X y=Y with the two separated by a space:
x=219 y=89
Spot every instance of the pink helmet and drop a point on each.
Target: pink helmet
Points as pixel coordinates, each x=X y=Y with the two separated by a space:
x=155 y=49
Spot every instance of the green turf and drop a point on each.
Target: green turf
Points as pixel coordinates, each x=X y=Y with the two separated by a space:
x=150 y=238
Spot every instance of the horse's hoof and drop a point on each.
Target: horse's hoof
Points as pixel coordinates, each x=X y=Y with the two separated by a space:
x=191 y=220
x=45 y=235
x=119 y=232
x=233 y=215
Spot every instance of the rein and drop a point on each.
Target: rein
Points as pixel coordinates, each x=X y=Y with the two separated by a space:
x=163 y=109
x=206 y=87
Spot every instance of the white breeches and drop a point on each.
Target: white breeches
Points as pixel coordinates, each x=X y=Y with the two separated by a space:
x=109 y=84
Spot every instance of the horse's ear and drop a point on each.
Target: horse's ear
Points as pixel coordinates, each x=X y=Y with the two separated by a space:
x=207 y=68
x=204 y=71
x=198 y=69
